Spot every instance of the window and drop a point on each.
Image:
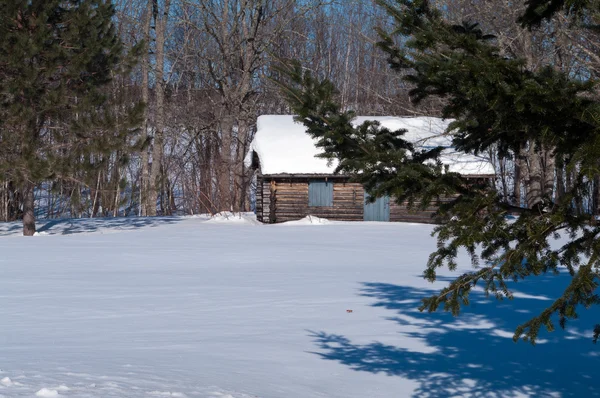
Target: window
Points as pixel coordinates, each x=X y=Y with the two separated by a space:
x=320 y=193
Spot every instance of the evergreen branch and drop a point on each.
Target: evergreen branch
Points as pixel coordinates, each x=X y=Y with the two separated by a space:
x=498 y=105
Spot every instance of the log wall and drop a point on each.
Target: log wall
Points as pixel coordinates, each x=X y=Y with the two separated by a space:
x=401 y=213
x=282 y=201
x=286 y=200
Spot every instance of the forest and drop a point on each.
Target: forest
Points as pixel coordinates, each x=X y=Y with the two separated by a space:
x=194 y=75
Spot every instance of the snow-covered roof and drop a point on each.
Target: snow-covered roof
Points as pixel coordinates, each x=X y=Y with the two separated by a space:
x=284 y=147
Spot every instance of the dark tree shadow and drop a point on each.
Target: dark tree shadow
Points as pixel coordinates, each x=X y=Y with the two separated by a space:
x=70 y=226
x=10 y=229
x=474 y=354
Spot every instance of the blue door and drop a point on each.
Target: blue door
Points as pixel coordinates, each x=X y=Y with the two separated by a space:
x=378 y=210
x=320 y=193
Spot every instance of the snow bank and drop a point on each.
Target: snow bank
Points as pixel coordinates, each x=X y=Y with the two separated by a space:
x=6 y=382
x=309 y=220
x=47 y=393
x=284 y=147
x=233 y=218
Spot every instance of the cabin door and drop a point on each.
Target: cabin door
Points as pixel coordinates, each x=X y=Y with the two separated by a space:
x=378 y=210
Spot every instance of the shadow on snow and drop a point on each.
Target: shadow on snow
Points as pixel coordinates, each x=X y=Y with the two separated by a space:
x=474 y=354
x=87 y=225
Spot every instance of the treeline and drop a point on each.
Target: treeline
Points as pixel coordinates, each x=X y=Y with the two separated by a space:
x=205 y=75
x=205 y=70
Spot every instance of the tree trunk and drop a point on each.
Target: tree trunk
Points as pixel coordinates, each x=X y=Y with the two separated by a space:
x=502 y=167
x=158 y=149
x=206 y=151
x=560 y=182
x=28 y=209
x=225 y=166
x=117 y=193
x=549 y=173
x=519 y=167
x=595 y=195
x=534 y=177
x=95 y=195
x=242 y=176
x=144 y=174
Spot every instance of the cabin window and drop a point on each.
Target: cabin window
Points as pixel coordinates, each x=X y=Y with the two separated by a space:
x=320 y=193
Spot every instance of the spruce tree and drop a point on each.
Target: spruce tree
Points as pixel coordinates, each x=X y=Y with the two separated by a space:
x=498 y=105
x=56 y=60
x=539 y=10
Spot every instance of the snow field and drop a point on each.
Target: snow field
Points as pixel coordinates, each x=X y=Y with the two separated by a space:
x=224 y=307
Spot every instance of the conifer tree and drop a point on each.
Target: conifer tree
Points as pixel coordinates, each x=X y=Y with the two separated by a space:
x=497 y=104
x=540 y=10
x=56 y=59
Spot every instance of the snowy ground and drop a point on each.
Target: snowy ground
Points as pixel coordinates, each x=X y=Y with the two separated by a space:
x=227 y=308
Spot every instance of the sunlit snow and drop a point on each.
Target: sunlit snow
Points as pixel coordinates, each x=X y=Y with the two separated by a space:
x=224 y=307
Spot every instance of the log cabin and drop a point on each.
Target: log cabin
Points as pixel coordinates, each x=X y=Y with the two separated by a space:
x=291 y=183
